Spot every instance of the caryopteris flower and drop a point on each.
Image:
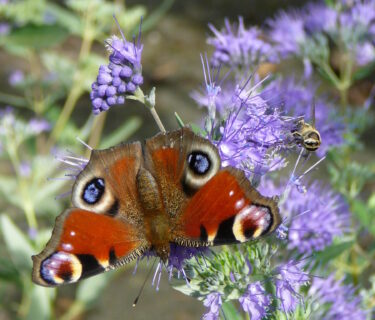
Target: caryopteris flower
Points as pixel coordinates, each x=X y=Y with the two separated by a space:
x=314 y=218
x=213 y=303
x=236 y=46
x=249 y=131
x=337 y=301
x=255 y=301
x=310 y=33
x=121 y=77
x=290 y=277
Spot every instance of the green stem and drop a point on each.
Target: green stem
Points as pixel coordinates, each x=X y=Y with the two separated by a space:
x=13 y=100
x=26 y=299
x=96 y=134
x=149 y=102
x=77 y=86
x=157 y=119
x=27 y=203
x=76 y=309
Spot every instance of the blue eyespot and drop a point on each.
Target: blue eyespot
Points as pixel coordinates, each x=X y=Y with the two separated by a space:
x=199 y=162
x=93 y=191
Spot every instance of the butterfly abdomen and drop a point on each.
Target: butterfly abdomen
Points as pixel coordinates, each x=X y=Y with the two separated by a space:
x=155 y=217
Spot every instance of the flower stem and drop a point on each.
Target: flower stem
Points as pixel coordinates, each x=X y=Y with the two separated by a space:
x=77 y=86
x=96 y=134
x=27 y=203
x=157 y=119
x=149 y=102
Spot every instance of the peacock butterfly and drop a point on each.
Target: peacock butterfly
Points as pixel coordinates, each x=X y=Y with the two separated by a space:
x=132 y=198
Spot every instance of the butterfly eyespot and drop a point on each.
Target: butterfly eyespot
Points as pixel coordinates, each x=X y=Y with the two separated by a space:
x=199 y=162
x=93 y=191
x=203 y=163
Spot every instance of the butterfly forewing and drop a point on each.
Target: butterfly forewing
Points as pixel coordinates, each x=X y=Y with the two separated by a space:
x=83 y=244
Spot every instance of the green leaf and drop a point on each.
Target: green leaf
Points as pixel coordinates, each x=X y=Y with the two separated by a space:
x=91 y=289
x=40 y=303
x=8 y=272
x=65 y=18
x=364 y=72
x=197 y=129
x=18 y=245
x=37 y=36
x=121 y=134
x=332 y=252
x=179 y=120
x=230 y=311
x=365 y=215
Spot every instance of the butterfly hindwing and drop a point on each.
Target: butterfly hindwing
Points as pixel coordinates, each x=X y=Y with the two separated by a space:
x=227 y=209
x=83 y=244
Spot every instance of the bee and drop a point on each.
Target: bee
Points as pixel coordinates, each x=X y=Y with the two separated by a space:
x=306 y=134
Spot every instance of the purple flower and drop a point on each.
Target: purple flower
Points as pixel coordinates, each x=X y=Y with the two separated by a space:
x=121 y=77
x=361 y=15
x=213 y=302
x=317 y=216
x=337 y=300
x=302 y=32
x=236 y=46
x=365 y=53
x=32 y=233
x=16 y=77
x=179 y=254
x=4 y=28
x=290 y=278
x=319 y=17
x=255 y=301
x=25 y=169
x=248 y=130
x=37 y=126
x=253 y=135
x=287 y=32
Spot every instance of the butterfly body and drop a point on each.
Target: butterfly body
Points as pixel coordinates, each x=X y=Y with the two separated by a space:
x=130 y=199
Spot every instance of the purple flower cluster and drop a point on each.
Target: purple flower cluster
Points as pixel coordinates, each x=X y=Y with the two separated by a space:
x=121 y=77
x=292 y=32
x=317 y=216
x=213 y=302
x=253 y=136
x=290 y=278
x=37 y=125
x=250 y=132
x=236 y=46
x=179 y=254
x=340 y=300
x=255 y=301
x=298 y=98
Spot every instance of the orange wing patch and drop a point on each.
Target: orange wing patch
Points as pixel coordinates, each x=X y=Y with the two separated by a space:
x=222 y=211
x=84 y=243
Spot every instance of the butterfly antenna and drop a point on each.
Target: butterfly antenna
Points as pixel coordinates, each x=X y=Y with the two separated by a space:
x=144 y=283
